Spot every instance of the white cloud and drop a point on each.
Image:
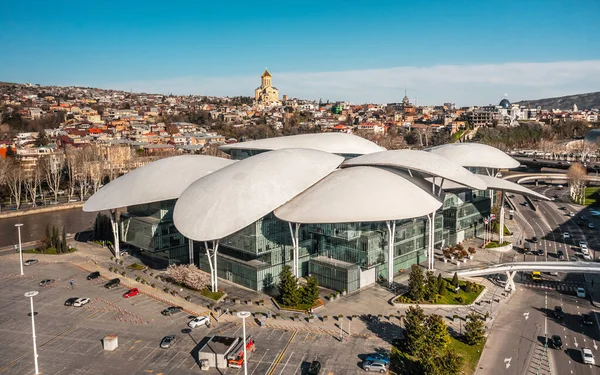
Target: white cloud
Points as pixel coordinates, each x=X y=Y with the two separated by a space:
x=461 y=84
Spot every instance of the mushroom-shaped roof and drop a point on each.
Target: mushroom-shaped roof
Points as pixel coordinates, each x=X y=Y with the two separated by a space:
x=475 y=155
x=359 y=194
x=158 y=181
x=236 y=196
x=495 y=183
x=335 y=143
x=426 y=163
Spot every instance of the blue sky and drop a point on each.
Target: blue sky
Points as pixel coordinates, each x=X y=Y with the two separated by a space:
x=363 y=51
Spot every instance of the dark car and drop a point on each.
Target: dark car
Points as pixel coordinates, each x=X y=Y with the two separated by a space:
x=534 y=239
x=113 y=283
x=379 y=357
x=168 y=341
x=558 y=312
x=70 y=301
x=560 y=254
x=539 y=252
x=93 y=275
x=555 y=342
x=171 y=310
x=581 y=223
x=587 y=319
x=314 y=368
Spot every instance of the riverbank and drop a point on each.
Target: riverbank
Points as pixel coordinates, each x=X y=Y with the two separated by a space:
x=40 y=210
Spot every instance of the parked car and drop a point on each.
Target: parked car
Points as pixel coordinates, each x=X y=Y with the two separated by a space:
x=558 y=312
x=572 y=214
x=587 y=356
x=93 y=275
x=566 y=235
x=113 y=283
x=591 y=225
x=581 y=292
x=501 y=279
x=168 y=341
x=199 y=321
x=580 y=222
x=539 y=252
x=171 y=310
x=582 y=243
x=555 y=342
x=560 y=254
x=29 y=262
x=81 y=301
x=587 y=256
x=70 y=301
x=534 y=239
x=314 y=368
x=47 y=282
x=587 y=319
x=380 y=357
x=131 y=292
x=374 y=366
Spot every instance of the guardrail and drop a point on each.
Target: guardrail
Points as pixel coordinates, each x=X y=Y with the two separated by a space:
x=558 y=266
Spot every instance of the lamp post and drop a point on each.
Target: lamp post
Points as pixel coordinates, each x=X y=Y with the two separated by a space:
x=20 y=249
x=30 y=295
x=244 y=315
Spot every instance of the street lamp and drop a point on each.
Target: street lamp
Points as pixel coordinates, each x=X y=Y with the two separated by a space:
x=30 y=295
x=20 y=250
x=244 y=315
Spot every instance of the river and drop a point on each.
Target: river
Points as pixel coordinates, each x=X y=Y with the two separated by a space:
x=34 y=226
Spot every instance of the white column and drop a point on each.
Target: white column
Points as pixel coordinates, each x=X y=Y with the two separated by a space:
x=191 y=250
x=501 y=220
x=391 y=235
x=210 y=264
x=431 y=240
x=215 y=250
x=295 y=249
x=114 y=220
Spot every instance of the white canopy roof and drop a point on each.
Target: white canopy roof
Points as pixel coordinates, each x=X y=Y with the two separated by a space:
x=335 y=143
x=427 y=163
x=498 y=184
x=359 y=194
x=475 y=155
x=236 y=196
x=157 y=181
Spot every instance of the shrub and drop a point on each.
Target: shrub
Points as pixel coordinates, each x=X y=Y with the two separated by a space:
x=460 y=299
x=121 y=262
x=166 y=290
x=472 y=250
x=123 y=273
x=469 y=287
x=153 y=285
x=112 y=257
x=137 y=278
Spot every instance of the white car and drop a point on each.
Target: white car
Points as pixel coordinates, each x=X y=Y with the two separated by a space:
x=591 y=225
x=566 y=235
x=581 y=292
x=79 y=302
x=199 y=321
x=588 y=356
x=587 y=256
x=582 y=243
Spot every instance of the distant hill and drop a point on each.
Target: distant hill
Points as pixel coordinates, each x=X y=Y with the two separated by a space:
x=583 y=101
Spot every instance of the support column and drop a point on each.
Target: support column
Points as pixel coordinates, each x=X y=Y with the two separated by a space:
x=191 y=250
x=295 y=249
x=215 y=250
x=114 y=220
x=510 y=282
x=212 y=263
x=430 y=249
x=501 y=219
x=391 y=226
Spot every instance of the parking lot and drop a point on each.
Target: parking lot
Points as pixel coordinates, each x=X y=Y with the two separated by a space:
x=69 y=339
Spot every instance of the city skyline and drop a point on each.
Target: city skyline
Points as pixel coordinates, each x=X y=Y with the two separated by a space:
x=461 y=53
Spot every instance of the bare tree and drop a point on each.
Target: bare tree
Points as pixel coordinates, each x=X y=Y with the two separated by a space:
x=14 y=179
x=52 y=166
x=117 y=159
x=32 y=179
x=577 y=174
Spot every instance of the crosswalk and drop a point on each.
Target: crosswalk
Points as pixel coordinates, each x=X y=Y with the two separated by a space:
x=562 y=286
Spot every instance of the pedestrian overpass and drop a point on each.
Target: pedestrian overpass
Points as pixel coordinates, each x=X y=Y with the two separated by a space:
x=511 y=269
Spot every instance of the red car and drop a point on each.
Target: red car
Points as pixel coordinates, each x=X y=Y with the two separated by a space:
x=132 y=292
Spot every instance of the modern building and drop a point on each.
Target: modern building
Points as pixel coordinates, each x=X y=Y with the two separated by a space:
x=311 y=202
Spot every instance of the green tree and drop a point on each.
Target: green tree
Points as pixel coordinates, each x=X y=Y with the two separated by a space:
x=288 y=288
x=310 y=292
x=63 y=243
x=469 y=287
x=455 y=283
x=443 y=290
x=474 y=329
x=431 y=288
x=440 y=280
x=436 y=336
x=55 y=237
x=416 y=287
x=447 y=362
x=414 y=330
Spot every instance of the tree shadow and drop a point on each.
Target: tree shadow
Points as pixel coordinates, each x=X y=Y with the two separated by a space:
x=384 y=329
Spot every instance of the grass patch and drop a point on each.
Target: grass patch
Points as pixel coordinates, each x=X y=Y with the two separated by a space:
x=50 y=251
x=402 y=363
x=592 y=196
x=136 y=266
x=303 y=307
x=494 y=244
x=212 y=295
x=451 y=298
x=469 y=353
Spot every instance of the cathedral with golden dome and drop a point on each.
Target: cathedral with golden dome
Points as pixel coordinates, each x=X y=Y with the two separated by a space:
x=266 y=93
